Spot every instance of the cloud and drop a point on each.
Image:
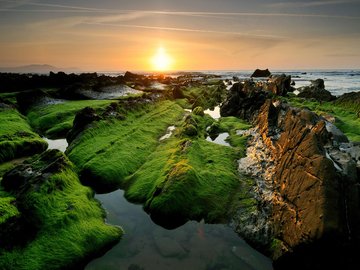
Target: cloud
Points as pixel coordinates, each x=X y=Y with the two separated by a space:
x=13 y=6
x=309 y=4
x=193 y=30
x=337 y=55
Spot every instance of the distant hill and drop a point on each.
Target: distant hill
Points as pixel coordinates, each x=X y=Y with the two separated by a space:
x=37 y=69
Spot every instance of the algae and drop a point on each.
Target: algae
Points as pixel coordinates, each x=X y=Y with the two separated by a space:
x=206 y=95
x=61 y=226
x=346 y=114
x=112 y=149
x=16 y=137
x=55 y=120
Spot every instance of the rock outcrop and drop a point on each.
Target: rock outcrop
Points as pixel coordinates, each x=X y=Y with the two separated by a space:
x=307 y=183
x=316 y=90
x=261 y=73
x=350 y=101
x=50 y=211
x=279 y=84
x=244 y=100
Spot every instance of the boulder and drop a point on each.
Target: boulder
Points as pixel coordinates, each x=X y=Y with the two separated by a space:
x=27 y=99
x=243 y=100
x=82 y=119
x=316 y=90
x=260 y=73
x=177 y=92
x=279 y=84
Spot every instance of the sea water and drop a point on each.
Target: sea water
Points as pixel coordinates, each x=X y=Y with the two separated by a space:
x=337 y=82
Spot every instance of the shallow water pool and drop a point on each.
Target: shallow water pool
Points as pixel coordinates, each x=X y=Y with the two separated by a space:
x=195 y=245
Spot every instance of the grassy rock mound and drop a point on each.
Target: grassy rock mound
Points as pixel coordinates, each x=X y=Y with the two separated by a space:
x=51 y=221
x=16 y=137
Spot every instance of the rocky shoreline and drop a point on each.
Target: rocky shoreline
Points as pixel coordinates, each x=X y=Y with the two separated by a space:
x=293 y=193
x=307 y=178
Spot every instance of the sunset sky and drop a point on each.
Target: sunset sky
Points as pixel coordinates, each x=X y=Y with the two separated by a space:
x=196 y=34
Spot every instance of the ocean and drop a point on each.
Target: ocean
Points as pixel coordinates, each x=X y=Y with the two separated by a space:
x=337 y=82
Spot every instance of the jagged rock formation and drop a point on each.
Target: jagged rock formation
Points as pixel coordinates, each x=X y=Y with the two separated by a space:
x=307 y=182
x=279 y=84
x=244 y=100
x=316 y=90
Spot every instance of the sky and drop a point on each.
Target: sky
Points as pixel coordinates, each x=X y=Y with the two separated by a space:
x=111 y=35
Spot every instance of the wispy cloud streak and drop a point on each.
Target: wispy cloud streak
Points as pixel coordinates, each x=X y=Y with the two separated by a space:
x=78 y=9
x=310 y=4
x=187 y=30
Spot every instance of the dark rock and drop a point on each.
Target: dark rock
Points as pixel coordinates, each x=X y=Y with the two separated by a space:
x=74 y=92
x=279 y=84
x=308 y=185
x=177 y=92
x=261 y=73
x=82 y=119
x=26 y=100
x=243 y=100
x=316 y=90
x=129 y=76
x=318 y=83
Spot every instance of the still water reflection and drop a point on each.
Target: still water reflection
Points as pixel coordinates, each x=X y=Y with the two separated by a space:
x=194 y=245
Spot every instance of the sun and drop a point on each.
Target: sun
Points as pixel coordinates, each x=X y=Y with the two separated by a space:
x=161 y=61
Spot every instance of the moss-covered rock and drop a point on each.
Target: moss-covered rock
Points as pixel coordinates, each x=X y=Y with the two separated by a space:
x=16 y=137
x=343 y=111
x=50 y=221
x=186 y=179
x=111 y=149
x=55 y=120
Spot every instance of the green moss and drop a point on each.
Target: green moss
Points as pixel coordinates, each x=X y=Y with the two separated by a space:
x=55 y=120
x=207 y=95
x=7 y=166
x=68 y=222
x=183 y=102
x=16 y=137
x=232 y=123
x=190 y=178
x=7 y=208
x=347 y=119
x=114 y=149
x=198 y=111
x=183 y=177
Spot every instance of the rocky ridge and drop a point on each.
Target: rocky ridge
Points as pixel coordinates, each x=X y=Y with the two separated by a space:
x=306 y=172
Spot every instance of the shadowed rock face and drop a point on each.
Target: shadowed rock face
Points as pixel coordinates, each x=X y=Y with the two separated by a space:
x=307 y=186
x=316 y=90
x=244 y=100
x=261 y=73
x=279 y=84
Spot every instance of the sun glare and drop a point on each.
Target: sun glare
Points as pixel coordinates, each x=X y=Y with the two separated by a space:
x=161 y=60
